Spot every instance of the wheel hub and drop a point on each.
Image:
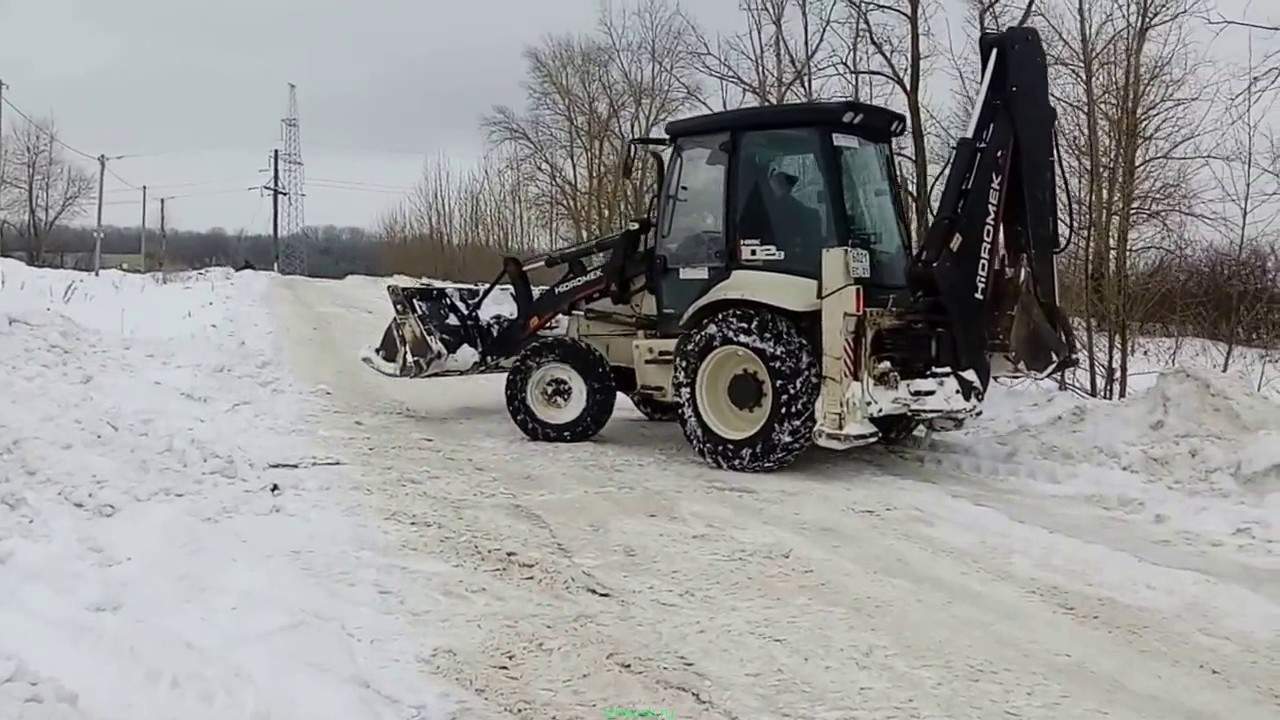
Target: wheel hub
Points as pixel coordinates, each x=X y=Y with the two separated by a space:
x=733 y=392
x=746 y=391
x=557 y=392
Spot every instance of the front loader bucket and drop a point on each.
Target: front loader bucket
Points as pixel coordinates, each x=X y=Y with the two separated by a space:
x=438 y=330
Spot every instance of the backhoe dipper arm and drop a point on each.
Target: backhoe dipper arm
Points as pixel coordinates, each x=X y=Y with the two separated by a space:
x=988 y=259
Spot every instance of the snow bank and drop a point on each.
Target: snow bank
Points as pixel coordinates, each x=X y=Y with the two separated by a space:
x=1191 y=424
x=1198 y=451
x=171 y=542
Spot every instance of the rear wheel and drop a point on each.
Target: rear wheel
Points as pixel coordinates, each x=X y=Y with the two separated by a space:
x=655 y=410
x=560 y=390
x=746 y=381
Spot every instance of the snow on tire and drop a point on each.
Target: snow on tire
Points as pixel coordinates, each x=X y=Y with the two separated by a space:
x=560 y=390
x=746 y=381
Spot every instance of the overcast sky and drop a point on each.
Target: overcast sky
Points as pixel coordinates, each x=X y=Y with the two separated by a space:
x=200 y=86
x=381 y=85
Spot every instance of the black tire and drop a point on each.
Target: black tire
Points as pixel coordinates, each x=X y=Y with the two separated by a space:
x=793 y=381
x=895 y=429
x=656 y=410
x=562 y=358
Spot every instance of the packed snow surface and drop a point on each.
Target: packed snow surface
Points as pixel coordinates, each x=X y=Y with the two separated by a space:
x=210 y=507
x=174 y=540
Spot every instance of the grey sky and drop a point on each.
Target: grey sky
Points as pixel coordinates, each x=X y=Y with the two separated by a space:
x=382 y=83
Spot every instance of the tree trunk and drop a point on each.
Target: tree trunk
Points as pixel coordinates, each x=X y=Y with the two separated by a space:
x=1095 y=207
x=917 y=128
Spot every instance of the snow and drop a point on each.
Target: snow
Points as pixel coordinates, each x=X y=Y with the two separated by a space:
x=174 y=540
x=210 y=507
x=1059 y=557
x=1197 y=452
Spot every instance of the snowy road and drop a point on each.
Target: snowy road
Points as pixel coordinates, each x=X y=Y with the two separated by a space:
x=1019 y=576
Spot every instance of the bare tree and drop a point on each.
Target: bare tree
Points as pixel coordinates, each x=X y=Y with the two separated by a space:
x=1250 y=195
x=652 y=65
x=895 y=31
x=458 y=223
x=850 y=55
x=587 y=96
x=1132 y=94
x=783 y=54
x=42 y=189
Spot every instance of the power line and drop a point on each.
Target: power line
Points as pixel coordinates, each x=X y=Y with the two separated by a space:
x=349 y=188
x=380 y=151
x=184 y=184
x=53 y=137
x=361 y=183
x=292 y=157
x=93 y=202
x=116 y=175
x=257 y=210
x=206 y=193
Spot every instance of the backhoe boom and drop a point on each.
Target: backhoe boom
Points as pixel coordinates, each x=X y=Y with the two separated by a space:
x=988 y=259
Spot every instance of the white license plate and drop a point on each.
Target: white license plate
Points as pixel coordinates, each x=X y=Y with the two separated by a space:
x=859 y=263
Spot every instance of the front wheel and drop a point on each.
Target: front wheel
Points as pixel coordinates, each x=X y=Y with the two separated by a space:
x=560 y=390
x=746 y=381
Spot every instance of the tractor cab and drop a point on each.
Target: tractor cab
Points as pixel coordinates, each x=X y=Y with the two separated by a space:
x=764 y=191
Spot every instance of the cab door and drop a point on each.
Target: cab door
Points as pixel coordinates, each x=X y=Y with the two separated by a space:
x=691 y=252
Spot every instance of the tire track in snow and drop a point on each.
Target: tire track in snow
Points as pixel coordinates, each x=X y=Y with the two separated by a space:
x=859 y=584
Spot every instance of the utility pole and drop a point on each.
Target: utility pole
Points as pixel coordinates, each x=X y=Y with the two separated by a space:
x=276 y=192
x=275 y=208
x=97 y=233
x=144 y=229
x=164 y=237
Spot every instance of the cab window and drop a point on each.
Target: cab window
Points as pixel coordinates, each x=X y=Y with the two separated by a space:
x=693 y=223
x=783 y=212
x=874 y=222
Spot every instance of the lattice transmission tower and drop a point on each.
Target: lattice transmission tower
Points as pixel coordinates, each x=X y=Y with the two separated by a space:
x=293 y=255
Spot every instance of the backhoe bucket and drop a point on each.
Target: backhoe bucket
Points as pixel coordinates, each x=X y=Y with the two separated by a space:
x=1038 y=345
x=439 y=330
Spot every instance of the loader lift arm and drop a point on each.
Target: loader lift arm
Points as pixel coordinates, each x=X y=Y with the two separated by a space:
x=614 y=278
x=433 y=323
x=987 y=262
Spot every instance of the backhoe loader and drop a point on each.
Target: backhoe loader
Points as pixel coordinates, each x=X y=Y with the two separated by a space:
x=771 y=299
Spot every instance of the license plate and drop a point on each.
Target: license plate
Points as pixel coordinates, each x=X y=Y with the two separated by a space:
x=859 y=263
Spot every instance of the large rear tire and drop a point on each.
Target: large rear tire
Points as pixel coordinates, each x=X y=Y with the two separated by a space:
x=560 y=390
x=746 y=381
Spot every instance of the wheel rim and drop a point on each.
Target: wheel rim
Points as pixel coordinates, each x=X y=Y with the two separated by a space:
x=734 y=392
x=556 y=393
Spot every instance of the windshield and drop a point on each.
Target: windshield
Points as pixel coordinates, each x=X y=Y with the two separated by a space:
x=874 y=223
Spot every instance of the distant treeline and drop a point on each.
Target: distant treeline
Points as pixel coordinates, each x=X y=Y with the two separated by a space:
x=331 y=251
